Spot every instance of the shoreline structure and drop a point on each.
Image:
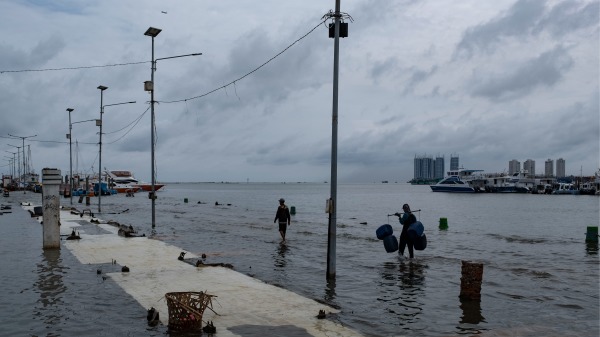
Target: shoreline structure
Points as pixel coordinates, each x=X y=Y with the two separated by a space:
x=241 y=302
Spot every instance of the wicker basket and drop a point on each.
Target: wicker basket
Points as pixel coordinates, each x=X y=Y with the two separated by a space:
x=186 y=309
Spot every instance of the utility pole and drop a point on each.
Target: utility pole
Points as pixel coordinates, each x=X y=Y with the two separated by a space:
x=331 y=233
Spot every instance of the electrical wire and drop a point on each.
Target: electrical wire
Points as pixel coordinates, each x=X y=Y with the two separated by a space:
x=249 y=73
x=72 y=68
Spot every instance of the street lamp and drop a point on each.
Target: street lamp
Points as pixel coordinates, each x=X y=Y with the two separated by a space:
x=24 y=169
x=100 y=151
x=70 y=157
x=18 y=162
x=149 y=86
x=13 y=164
x=69 y=135
x=152 y=32
x=102 y=88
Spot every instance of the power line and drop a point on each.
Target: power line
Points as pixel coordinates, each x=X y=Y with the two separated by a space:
x=71 y=68
x=249 y=73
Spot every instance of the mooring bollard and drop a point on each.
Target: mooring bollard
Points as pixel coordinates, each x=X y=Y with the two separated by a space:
x=443 y=223
x=185 y=200
x=51 y=180
x=293 y=210
x=592 y=234
x=87 y=200
x=470 y=282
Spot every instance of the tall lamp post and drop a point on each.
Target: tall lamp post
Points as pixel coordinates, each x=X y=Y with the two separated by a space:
x=24 y=169
x=18 y=162
x=99 y=123
x=87 y=120
x=70 y=157
x=13 y=163
x=149 y=86
x=102 y=88
x=100 y=152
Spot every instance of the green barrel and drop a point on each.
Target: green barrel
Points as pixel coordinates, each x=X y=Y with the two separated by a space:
x=592 y=234
x=443 y=223
x=293 y=210
x=185 y=200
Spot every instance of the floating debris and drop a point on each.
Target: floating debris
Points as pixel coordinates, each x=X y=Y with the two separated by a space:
x=73 y=236
x=153 y=317
x=321 y=314
x=209 y=328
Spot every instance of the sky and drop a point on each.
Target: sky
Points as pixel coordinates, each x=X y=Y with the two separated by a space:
x=487 y=81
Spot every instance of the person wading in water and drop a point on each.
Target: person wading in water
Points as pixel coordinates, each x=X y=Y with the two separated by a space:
x=283 y=214
x=406 y=219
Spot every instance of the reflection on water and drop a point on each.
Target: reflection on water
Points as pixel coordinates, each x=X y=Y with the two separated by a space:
x=51 y=287
x=330 y=291
x=279 y=256
x=402 y=285
x=591 y=248
x=471 y=312
x=471 y=317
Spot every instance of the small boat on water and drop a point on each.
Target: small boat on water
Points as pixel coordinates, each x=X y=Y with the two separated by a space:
x=123 y=181
x=459 y=181
x=566 y=188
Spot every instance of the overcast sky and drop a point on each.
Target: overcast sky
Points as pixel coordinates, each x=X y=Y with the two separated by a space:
x=489 y=81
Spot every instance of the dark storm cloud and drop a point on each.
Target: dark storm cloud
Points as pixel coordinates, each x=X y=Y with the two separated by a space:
x=40 y=54
x=526 y=18
x=569 y=16
x=545 y=70
x=517 y=22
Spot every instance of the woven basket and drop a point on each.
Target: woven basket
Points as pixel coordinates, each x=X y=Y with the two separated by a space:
x=186 y=309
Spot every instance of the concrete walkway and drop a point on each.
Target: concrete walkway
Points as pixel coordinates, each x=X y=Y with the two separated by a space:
x=244 y=306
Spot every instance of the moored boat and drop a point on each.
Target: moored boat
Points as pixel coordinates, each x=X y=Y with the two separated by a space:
x=459 y=181
x=566 y=188
x=123 y=181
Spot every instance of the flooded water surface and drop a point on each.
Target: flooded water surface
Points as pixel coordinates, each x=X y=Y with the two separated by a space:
x=540 y=277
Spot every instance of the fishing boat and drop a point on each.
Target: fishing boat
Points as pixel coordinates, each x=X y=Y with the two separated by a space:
x=124 y=182
x=459 y=181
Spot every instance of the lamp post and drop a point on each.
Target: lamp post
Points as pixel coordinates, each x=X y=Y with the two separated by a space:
x=152 y=32
x=70 y=157
x=100 y=152
x=24 y=169
x=149 y=86
x=13 y=163
x=18 y=162
x=102 y=88
x=71 y=124
x=99 y=123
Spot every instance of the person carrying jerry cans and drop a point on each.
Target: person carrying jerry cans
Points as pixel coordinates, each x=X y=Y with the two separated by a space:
x=406 y=219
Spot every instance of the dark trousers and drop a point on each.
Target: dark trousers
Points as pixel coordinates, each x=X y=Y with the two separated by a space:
x=404 y=241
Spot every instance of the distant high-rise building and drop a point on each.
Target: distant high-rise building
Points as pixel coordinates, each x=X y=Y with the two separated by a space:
x=454 y=165
x=529 y=166
x=549 y=168
x=514 y=166
x=423 y=167
x=560 y=168
x=438 y=167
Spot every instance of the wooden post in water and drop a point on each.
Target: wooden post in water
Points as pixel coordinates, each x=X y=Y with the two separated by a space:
x=470 y=282
x=51 y=179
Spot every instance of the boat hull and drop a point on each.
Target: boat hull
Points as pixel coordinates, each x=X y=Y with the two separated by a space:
x=453 y=189
x=148 y=187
